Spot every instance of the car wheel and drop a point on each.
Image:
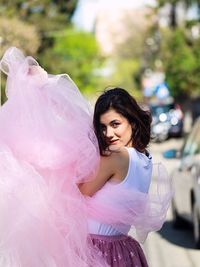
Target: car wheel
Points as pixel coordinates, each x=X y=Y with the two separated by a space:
x=196 y=226
x=177 y=221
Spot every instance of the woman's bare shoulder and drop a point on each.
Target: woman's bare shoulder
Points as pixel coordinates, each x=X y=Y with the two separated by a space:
x=115 y=157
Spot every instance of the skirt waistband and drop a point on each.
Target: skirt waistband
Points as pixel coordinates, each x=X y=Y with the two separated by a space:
x=108 y=237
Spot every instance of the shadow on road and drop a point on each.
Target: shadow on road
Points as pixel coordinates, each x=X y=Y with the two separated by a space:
x=180 y=237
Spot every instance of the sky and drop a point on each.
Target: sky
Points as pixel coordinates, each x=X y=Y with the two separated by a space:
x=86 y=11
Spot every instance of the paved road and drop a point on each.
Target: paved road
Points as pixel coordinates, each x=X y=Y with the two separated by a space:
x=170 y=247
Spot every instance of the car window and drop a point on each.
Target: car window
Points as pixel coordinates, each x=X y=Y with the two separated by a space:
x=192 y=144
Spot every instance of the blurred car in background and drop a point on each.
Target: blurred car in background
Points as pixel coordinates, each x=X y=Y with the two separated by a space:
x=195 y=108
x=167 y=120
x=186 y=180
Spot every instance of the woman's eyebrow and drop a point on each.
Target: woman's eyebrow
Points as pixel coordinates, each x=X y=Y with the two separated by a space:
x=113 y=121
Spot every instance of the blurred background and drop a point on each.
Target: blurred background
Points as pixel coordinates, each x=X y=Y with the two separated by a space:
x=148 y=47
x=152 y=49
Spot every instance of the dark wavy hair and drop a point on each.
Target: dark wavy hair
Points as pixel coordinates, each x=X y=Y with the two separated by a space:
x=123 y=103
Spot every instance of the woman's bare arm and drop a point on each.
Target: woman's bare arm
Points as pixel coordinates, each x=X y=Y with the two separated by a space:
x=105 y=172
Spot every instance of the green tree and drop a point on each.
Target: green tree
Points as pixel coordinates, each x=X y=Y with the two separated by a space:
x=31 y=25
x=180 y=62
x=177 y=51
x=77 y=54
x=14 y=32
x=46 y=16
x=173 y=11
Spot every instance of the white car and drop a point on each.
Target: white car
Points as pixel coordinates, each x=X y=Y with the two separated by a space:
x=186 y=179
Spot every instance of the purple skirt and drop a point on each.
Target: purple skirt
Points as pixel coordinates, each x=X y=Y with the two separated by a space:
x=119 y=251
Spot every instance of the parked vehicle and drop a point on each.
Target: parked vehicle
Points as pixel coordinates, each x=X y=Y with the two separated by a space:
x=186 y=179
x=195 y=108
x=167 y=121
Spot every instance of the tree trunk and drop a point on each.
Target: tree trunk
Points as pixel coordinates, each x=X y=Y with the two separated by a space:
x=173 y=16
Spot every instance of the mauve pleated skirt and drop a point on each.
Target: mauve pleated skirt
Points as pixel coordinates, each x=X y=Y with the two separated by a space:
x=119 y=251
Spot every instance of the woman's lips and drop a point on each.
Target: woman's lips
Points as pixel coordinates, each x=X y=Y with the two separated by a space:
x=112 y=142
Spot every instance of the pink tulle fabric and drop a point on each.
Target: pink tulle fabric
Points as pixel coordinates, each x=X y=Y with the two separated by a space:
x=47 y=147
x=144 y=212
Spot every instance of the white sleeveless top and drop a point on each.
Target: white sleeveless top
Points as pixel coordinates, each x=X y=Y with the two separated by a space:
x=139 y=177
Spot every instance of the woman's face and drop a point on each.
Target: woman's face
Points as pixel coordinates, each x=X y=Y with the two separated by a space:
x=116 y=129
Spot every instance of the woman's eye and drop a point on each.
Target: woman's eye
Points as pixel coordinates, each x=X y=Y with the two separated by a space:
x=115 y=124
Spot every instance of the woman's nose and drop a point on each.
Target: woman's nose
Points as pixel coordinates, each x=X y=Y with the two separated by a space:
x=109 y=132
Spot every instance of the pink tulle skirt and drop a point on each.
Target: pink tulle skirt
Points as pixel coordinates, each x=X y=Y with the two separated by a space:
x=119 y=251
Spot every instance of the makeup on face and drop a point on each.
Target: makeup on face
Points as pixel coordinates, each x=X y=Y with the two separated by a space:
x=116 y=129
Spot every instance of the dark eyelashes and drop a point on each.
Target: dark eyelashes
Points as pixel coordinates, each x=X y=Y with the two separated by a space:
x=113 y=124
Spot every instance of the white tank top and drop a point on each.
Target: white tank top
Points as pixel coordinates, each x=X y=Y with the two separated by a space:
x=139 y=177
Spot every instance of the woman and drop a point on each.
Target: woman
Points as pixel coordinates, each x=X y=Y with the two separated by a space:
x=123 y=132
x=128 y=191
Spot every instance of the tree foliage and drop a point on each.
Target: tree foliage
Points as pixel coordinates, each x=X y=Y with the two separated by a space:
x=31 y=25
x=46 y=14
x=174 y=4
x=180 y=59
x=13 y=32
x=177 y=51
x=77 y=54
x=188 y=3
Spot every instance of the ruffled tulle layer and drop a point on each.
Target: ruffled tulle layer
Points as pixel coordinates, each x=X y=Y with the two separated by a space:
x=47 y=146
x=145 y=212
x=41 y=225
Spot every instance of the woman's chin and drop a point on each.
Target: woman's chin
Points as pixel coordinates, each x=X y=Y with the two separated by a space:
x=115 y=147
